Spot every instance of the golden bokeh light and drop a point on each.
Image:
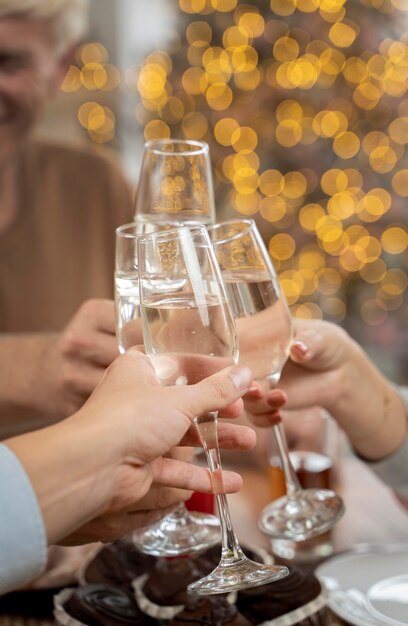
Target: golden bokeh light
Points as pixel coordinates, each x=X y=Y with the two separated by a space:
x=156 y=129
x=251 y=24
x=346 y=145
x=305 y=106
x=282 y=246
x=373 y=272
x=400 y=183
x=334 y=181
x=192 y=6
x=394 y=239
x=394 y=282
x=224 y=129
x=334 y=308
x=72 y=81
x=307 y=311
x=245 y=180
x=199 y=33
x=244 y=140
x=219 y=96
x=271 y=183
x=373 y=205
x=194 y=125
x=272 y=209
x=245 y=204
x=343 y=34
x=286 y=49
x=309 y=216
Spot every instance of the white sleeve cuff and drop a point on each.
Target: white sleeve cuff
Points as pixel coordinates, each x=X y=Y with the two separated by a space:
x=23 y=543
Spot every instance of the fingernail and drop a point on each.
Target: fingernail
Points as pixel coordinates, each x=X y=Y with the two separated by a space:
x=276 y=398
x=301 y=347
x=241 y=377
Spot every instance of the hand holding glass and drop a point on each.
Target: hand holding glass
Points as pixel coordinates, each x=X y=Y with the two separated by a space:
x=265 y=332
x=189 y=334
x=180 y=532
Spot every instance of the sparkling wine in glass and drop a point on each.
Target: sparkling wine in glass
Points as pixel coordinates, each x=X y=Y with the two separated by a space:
x=189 y=334
x=264 y=326
x=126 y=288
x=175 y=183
x=180 y=532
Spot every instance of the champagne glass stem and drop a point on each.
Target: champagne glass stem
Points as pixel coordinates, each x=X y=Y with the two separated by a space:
x=293 y=486
x=180 y=513
x=207 y=428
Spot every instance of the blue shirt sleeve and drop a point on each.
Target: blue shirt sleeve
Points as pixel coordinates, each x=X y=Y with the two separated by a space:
x=393 y=470
x=23 y=542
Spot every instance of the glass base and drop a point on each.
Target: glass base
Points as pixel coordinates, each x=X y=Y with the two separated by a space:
x=309 y=515
x=178 y=535
x=235 y=574
x=308 y=551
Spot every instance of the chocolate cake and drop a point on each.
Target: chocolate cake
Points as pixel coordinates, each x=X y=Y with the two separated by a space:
x=299 y=593
x=117 y=564
x=167 y=582
x=99 y=605
x=146 y=590
x=211 y=611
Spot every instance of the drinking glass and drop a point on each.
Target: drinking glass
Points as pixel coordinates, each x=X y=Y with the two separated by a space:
x=127 y=279
x=314 y=445
x=180 y=532
x=189 y=334
x=175 y=183
x=265 y=330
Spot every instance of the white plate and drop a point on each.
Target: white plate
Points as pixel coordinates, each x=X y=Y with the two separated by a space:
x=368 y=586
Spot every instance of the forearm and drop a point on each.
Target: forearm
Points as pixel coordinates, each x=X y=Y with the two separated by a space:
x=26 y=397
x=71 y=477
x=22 y=538
x=369 y=408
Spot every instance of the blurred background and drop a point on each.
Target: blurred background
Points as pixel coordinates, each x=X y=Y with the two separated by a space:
x=304 y=104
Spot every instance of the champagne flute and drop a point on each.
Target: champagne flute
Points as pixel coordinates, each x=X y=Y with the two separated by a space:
x=128 y=328
x=180 y=532
x=190 y=333
x=175 y=183
x=265 y=331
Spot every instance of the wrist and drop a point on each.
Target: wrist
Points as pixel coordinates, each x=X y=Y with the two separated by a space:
x=383 y=439
x=69 y=475
x=356 y=393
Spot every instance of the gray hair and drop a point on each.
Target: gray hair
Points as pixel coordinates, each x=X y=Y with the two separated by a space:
x=69 y=17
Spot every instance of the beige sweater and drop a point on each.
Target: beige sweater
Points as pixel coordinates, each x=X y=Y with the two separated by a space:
x=59 y=250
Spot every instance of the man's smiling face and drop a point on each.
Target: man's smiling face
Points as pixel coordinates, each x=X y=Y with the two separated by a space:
x=30 y=74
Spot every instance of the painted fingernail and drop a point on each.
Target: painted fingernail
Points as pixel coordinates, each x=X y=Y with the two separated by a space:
x=241 y=377
x=301 y=347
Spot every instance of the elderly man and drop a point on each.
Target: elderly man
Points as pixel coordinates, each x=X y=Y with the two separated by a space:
x=59 y=206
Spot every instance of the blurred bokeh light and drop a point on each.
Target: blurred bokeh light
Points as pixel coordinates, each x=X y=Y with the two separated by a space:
x=304 y=104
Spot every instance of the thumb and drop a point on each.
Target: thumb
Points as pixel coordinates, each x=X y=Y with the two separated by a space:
x=218 y=391
x=317 y=345
x=133 y=367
